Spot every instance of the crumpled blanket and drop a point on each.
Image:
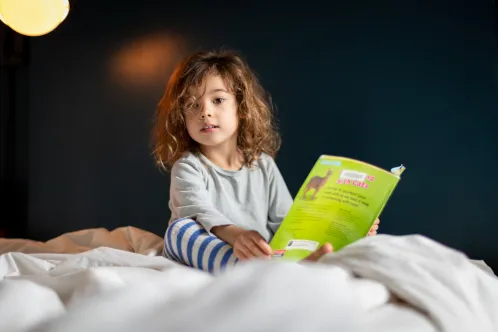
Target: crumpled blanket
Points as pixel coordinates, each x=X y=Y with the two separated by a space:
x=382 y=283
x=124 y=238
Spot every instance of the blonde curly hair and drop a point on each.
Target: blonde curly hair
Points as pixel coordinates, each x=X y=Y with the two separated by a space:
x=257 y=130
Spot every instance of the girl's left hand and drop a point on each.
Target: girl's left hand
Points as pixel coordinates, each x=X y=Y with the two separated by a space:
x=375 y=227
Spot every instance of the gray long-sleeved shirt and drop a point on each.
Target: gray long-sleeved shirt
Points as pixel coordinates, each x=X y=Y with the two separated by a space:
x=254 y=198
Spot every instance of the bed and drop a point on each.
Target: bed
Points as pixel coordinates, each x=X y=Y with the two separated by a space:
x=100 y=280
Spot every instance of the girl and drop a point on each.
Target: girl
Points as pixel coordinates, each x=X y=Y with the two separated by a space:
x=215 y=132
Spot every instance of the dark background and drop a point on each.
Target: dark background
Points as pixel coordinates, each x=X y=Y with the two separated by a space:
x=389 y=82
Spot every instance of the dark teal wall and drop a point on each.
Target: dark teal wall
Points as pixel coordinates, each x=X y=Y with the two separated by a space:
x=389 y=82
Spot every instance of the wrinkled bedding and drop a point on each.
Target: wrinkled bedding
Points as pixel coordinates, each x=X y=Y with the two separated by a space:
x=381 y=283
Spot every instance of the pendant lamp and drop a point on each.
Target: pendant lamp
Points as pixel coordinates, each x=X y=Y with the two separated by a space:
x=33 y=17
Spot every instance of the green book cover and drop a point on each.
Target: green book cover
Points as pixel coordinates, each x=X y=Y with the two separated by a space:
x=337 y=203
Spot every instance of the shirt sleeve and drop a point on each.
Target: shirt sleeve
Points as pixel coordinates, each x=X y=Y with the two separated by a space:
x=280 y=198
x=189 y=197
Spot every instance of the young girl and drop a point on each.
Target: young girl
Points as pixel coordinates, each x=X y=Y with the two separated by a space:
x=215 y=132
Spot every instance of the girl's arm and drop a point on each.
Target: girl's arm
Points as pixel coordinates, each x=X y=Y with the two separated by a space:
x=189 y=198
x=227 y=233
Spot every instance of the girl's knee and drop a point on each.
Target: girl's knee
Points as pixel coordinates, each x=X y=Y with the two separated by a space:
x=177 y=233
x=179 y=223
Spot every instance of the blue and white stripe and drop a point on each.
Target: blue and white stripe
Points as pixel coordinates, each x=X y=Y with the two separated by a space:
x=187 y=242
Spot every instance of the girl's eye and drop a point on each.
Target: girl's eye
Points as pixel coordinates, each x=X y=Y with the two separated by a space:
x=189 y=107
x=218 y=100
x=192 y=106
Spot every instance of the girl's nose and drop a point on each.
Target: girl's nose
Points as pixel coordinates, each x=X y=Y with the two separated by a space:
x=205 y=112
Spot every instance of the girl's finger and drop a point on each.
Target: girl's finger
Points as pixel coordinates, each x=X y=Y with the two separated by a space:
x=254 y=249
x=241 y=257
x=242 y=253
x=317 y=254
x=263 y=246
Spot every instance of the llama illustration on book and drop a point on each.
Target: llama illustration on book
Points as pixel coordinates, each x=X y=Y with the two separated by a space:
x=316 y=183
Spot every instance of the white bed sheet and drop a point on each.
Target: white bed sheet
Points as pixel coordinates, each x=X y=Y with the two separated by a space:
x=381 y=283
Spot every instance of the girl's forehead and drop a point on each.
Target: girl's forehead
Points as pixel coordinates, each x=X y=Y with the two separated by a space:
x=211 y=83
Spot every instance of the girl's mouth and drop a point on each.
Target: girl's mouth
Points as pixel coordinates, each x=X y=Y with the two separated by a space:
x=209 y=128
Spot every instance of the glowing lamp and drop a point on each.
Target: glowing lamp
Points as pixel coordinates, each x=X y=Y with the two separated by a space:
x=33 y=17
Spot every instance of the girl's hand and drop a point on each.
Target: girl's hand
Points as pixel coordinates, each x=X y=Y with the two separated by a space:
x=249 y=245
x=319 y=253
x=374 y=228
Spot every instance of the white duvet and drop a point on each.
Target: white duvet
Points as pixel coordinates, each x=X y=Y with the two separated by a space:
x=381 y=283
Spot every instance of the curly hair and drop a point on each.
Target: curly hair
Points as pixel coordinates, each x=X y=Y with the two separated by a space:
x=257 y=131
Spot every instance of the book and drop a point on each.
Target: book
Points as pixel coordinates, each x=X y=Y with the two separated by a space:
x=338 y=203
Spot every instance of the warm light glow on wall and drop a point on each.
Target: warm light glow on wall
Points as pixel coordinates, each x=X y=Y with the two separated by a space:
x=33 y=17
x=145 y=62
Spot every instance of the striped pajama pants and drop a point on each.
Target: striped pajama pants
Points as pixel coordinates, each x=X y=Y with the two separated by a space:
x=188 y=243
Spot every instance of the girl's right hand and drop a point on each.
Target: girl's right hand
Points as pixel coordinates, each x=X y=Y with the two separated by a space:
x=249 y=245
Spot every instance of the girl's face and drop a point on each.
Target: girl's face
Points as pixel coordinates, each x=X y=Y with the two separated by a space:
x=212 y=115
